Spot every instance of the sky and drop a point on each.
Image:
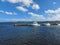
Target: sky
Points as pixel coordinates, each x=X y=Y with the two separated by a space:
x=29 y=10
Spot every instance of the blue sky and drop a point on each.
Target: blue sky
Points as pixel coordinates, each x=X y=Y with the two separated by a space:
x=29 y=10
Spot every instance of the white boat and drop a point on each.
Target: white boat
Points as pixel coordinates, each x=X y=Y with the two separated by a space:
x=35 y=24
x=58 y=24
x=48 y=24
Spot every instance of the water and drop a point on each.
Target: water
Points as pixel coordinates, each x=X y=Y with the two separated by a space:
x=29 y=35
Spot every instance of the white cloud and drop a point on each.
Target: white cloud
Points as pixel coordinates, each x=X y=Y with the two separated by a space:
x=35 y=6
x=54 y=18
x=25 y=2
x=13 y=1
x=54 y=3
x=22 y=9
x=50 y=11
x=36 y=16
x=8 y=13
x=2 y=0
x=55 y=13
x=1 y=11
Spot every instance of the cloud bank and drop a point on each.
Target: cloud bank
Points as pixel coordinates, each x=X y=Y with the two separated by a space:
x=27 y=3
x=53 y=14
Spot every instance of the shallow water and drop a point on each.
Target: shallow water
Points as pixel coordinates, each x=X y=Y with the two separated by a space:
x=29 y=35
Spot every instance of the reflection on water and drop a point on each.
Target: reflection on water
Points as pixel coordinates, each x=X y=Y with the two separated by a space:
x=29 y=35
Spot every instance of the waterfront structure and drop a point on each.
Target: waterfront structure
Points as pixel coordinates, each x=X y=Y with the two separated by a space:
x=39 y=24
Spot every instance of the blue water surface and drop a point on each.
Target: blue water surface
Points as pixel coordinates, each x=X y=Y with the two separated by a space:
x=29 y=35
